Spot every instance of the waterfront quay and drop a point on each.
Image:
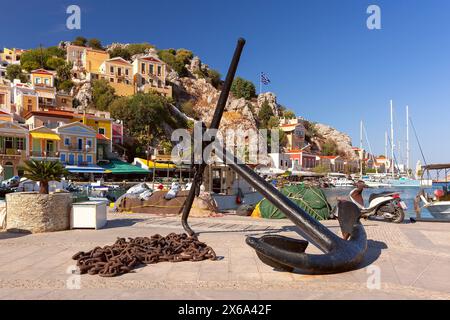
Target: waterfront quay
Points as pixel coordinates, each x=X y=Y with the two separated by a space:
x=403 y=261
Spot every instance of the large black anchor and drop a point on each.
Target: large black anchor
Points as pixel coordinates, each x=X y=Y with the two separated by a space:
x=281 y=252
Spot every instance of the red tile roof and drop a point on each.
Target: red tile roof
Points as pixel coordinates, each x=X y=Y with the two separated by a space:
x=329 y=157
x=151 y=59
x=51 y=113
x=42 y=71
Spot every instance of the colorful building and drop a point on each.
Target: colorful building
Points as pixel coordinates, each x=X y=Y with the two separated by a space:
x=295 y=132
x=13 y=148
x=85 y=59
x=5 y=94
x=77 y=144
x=332 y=163
x=42 y=77
x=25 y=98
x=44 y=144
x=11 y=56
x=119 y=73
x=302 y=160
x=150 y=75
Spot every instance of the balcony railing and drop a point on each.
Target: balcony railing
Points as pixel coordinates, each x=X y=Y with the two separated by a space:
x=45 y=154
x=11 y=152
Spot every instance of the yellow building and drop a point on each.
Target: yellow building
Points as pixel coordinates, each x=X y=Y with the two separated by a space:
x=150 y=75
x=85 y=59
x=44 y=144
x=42 y=77
x=25 y=98
x=64 y=101
x=295 y=133
x=11 y=55
x=5 y=95
x=119 y=73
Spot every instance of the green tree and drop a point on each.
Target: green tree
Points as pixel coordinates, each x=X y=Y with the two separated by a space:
x=64 y=72
x=14 y=71
x=54 y=63
x=44 y=172
x=176 y=60
x=120 y=52
x=329 y=148
x=137 y=48
x=265 y=113
x=103 y=94
x=65 y=85
x=242 y=88
x=288 y=114
x=214 y=77
x=95 y=43
x=143 y=114
x=47 y=58
x=188 y=108
x=80 y=41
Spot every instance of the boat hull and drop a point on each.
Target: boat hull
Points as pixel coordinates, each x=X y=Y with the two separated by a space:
x=439 y=210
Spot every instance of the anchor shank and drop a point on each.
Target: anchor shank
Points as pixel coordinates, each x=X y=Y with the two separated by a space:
x=310 y=228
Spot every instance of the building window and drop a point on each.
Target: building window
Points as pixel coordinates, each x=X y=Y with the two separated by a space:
x=89 y=159
x=63 y=157
x=89 y=143
x=80 y=159
x=20 y=145
x=80 y=144
x=111 y=79
x=47 y=82
x=66 y=141
x=111 y=70
x=159 y=84
x=37 y=80
x=126 y=72
x=159 y=70
x=101 y=130
x=143 y=68
x=151 y=69
x=119 y=71
x=143 y=81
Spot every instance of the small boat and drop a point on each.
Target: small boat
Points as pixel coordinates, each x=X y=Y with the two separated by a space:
x=438 y=204
x=340 y=180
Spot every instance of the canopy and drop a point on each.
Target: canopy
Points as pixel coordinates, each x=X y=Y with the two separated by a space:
x=85 y=169
x=121 y=167
x=436 y=166
x=44 y=135
x=157 y=165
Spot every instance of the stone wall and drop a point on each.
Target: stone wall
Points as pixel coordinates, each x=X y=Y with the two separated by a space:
x=34 y=212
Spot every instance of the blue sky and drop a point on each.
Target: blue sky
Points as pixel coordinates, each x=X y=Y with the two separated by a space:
x=322 y=60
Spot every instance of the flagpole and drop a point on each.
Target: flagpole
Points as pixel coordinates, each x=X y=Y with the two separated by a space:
x=260 y=83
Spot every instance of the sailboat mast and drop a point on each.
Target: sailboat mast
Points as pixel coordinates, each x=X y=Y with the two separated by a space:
x=386 y=151
x=361 y=153
x=407 y=140
x=392 y=140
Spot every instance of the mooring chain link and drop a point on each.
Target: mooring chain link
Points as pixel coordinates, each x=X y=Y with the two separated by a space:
x=125 y=255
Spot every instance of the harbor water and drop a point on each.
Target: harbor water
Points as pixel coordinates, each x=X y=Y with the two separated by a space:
x=407 y=194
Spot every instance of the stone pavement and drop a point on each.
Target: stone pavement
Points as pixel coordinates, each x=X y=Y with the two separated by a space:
x=412 y=261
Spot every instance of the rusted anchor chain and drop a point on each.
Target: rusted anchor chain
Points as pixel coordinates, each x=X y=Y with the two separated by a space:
x=125 y=255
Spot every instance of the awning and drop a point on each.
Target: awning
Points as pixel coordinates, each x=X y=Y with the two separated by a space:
x=157 y=165
x=85 y=169
x=121 y=167
x=99 y=136
x=43 y=135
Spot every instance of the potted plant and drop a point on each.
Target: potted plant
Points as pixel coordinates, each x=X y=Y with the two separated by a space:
x=39 y=212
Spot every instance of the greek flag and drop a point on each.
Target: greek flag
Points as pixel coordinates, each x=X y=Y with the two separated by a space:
x=264 y=78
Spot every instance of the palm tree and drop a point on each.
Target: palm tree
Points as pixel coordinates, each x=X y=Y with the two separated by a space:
x=44 y=171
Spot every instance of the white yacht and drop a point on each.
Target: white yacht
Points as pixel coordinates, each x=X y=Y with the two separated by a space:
x=340 y=180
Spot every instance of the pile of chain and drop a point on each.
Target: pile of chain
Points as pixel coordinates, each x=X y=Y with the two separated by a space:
x=123 y=256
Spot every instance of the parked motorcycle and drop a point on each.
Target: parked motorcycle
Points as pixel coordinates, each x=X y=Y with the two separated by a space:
x=387 y=205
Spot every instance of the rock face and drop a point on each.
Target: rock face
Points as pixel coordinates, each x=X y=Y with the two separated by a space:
x=271 y=99
x=342 y=140
x=83 y=93
x=34 y=212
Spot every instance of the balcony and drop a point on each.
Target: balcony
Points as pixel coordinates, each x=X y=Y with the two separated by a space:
x=11 y=152
x=44 y=154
